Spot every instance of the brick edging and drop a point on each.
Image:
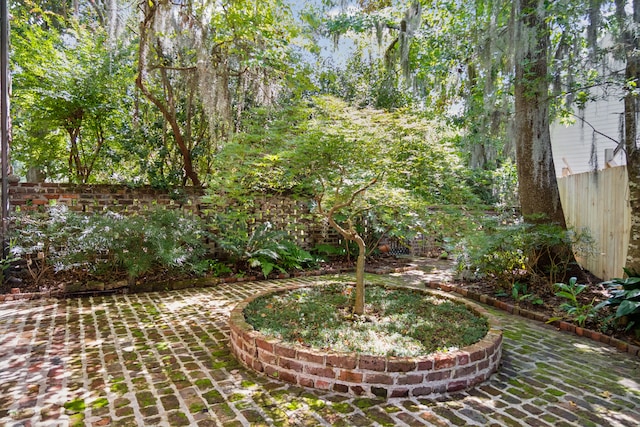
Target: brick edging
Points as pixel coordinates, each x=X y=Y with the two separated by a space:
x=202 y=282
x=358 y=374
x=622 y=346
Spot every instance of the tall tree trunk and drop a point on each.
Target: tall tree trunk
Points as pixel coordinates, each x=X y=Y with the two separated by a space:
x=631 y=46
x=538 y=187
x=167 y=109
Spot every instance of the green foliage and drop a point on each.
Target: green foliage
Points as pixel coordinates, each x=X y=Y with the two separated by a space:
x=625 y=298
x=7 y=261
x=519 y=293
x=327 y=252
x=494 y=251
x=507 y=251
x=261 y=247
x=70 y=98
x=326 y=148
x=108 y=243
x=496 y=187
x=365 y=83
x=575 y=309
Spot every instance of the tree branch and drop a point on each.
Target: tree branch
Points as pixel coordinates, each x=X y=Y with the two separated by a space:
x=594 y=129
x=164 y=67
x=349 y=233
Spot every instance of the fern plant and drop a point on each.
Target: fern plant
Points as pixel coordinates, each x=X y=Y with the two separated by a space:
x=102 y=244
x=264 y=248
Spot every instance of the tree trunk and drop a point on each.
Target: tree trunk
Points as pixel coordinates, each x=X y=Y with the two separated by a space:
x=358 y=307
x=538 y=187
x=350 y=234
x=167 y=109
x=537 y=183
x=631 y=45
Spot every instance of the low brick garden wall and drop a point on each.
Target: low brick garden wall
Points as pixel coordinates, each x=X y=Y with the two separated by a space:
x=366 y=375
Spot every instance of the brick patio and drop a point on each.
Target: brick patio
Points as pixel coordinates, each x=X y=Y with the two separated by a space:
x=162 y=359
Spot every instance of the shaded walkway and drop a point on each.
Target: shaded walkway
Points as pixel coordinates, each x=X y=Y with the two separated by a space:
x=162 y=359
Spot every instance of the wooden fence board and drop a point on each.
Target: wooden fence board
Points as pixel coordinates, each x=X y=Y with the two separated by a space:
x=599 y=202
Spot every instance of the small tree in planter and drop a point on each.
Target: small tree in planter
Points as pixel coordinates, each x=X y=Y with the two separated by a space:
x=351 y=163
x=349 y=232
x=387 y=165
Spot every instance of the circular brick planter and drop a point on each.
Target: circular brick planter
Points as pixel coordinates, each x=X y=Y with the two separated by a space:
x=367 y=375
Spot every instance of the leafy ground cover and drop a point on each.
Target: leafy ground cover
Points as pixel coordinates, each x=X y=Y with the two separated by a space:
x=582 y=302
x=397 y=322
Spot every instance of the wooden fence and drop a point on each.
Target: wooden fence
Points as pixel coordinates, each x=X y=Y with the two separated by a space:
x=599 y=202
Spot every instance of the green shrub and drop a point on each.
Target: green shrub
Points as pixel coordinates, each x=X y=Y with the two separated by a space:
x=509 y=251
x=261 y=247
x=109 y=242
x=493 y=251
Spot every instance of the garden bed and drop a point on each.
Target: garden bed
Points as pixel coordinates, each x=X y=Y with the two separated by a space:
x=369 y=374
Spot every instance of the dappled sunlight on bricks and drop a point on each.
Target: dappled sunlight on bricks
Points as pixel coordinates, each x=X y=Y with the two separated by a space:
x=144 y=359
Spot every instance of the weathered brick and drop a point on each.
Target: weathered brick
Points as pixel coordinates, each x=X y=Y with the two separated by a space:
x=272 y=371
x=422 y=391
x=283 y=350
x=437 y=376
x=484 y=364
x=372 y=363
x=457 y=385
x=340 y=388
x=325 y=372
x=350 y=376
x=410 y=379
x=399 y=365
x=444 y=361
x=425 y=365
x=341 y=361
x=267 y=357
x=378 y=379
x=357 y=390
x=399 y=392
x=257 y=366
x=462 y=359
x=478 y=353
x=380 y=392
x=288 y=377
x=305 y=381
x=322 y=384
x=309 y=356
x=464 y=371
x=290 y=364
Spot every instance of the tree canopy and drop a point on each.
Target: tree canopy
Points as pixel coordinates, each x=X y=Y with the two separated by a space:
x=161 y=92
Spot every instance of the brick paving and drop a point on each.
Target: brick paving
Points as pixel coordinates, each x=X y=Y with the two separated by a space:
x=162 y=359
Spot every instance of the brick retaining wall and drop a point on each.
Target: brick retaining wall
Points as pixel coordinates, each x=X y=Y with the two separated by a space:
x=358 y=374
x=285 y=213
x=27 y=196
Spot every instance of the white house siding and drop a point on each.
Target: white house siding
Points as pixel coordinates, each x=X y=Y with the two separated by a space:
x=572 y=145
